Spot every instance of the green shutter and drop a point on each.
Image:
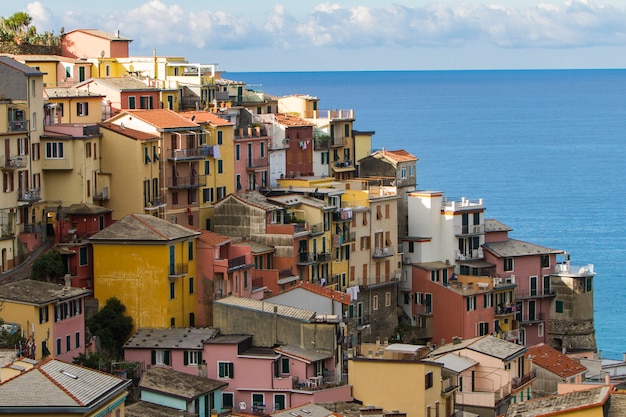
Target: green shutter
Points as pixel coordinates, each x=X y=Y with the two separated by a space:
x=186 y=358
x=166 y=357
x=153 y=357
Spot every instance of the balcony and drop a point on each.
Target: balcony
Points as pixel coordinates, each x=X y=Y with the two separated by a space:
x=338 y=142
x=531 y=318
x=17 y=126
x=14 y=162
x=571 y=270
x=305 y=258
x=469 y=229
x=504 y=310
x=316 y=229
x=154 y=203
x=178 y=270
x=103 y=195
x=255 y=163
x=536 y=293
x=343 y=215
x=383 y=252
x=519 y=381
x=324 y=256
x=321 y=143
x=423 y=310
x=31 y=195
x=188 y=154
x=238 y=262
x=180 y=183
x=343 y=239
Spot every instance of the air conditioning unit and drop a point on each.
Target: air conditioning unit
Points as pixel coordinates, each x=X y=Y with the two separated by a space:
x=497 y=281
x=511 y=279
x=242 y=405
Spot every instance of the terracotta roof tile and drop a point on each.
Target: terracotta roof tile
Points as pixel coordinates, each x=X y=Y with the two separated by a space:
x=342 y=297
x=288 y=120
x=163 y=119
x=399 y=155
x=130 y=133
x=554 y=361
x=205 y=117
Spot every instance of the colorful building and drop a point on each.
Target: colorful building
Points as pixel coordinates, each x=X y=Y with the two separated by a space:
x=51 y=316
x=154 y=270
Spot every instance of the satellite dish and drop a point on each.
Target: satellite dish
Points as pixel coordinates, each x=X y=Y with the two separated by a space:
x=242 y=405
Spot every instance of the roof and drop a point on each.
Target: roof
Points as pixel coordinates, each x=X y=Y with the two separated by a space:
x=143 y=227
x=25 y=69
x=146 y=409
x=85 y=208
x=130 y=133
x=308 y=356
x=514 y=247
x=342 y=297
x=120 y=84
x=162 y=119
x=432 y=266
x=69 y=92
x=493 y=225
x=213 y=239
x=38 y=292
x=53 y=383
x=174 y=338
x=289 y=120
x=295 y=199
x=178 y=384
x=256 y=248
x=455 y=363
x=618 y=404
x=42 y=58
x=205 y=117
x=554 y=361
x=487 y=345
x=304 y=410
x=399 y=155
x=101 y=34
x=229 y=339
x=256 y=199
x=576 y=400
x=264 y=306
x=404 y=348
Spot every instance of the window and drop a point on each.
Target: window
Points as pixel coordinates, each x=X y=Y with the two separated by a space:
x=82 y=108
x=35 y=151
x=219 y=137
x=546 y=285
x=237 y=152
x=192 y=357
x=107 y=70
x=238 y=182
x=146 y=156
x=172 y=322
x=225 y=370
x=540 y=330
x=7 y=184
x=190 y=250
x=221 y=192
x=77 y=339
x=83 y=256
x=172 y=291
x=228 y=400
x=411 y=171
x=262 y=153
x=68 y=343
x=207 y=167
x=160 y=357
x=59 y=346
x=533 y=286
x=589 y=285
x=559 y=306
x=483 y=328
x=488 y=300
x=387 y=299
x=88 y=149
x=375 y=302
x=545 y=261
x=403 y=173
x=284 y=365
x=258 y=401
x=191 y=285
x=245 y=280
x=207 y=195
x=325 y=158
x=54 y=150
x=428 y=380
x=411 y=247
x=279 y=401
x=145 y=102
x=132 y=102
x=470 y=303
x=43 y=314
x=220 y=166
x=508 y=264
x=22 y=146
x=387 y=211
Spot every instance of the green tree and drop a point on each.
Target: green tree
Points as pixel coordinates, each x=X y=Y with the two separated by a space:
x=17 y=24
x=48 y=267
x=112 y=327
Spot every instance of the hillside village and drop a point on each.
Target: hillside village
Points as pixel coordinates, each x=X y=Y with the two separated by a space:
x=271 y=261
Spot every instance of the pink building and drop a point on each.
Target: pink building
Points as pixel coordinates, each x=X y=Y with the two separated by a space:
x=223 y=269
x=251 y=163
x=529 y=266
x=91 y=43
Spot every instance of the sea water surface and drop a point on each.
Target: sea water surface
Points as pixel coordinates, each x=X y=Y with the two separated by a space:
x=545 y=149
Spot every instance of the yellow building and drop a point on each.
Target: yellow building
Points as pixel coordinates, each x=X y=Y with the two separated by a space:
x=217 y=165
x=394 y=379
x=73 y=106
x=51 y=317
x=149 y=264
x=131 y=171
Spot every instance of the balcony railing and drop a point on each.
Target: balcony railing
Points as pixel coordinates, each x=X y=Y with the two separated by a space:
x=102 y=195
x=317 y=229
x=343 y=215
x=338 y=142
x=186 y=182
x=324 y=256
x=305 y=258
x=537 y=293
x=177 y=270
x=383 y=252
x=256 y=163
x=31 y=195
x=189 y=154
x=154 y=203
x=469 y=229
x=531 y=318
x=13 y=163
x=17 y=126
x=518 y=381
x=238 y=262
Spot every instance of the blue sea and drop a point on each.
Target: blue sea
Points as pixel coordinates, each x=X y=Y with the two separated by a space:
x=545 y=149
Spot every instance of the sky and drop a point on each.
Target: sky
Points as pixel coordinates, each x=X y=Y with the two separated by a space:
x=305 y=35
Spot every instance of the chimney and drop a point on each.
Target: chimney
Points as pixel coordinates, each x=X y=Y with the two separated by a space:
x=68 y=282
x=117 y=33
